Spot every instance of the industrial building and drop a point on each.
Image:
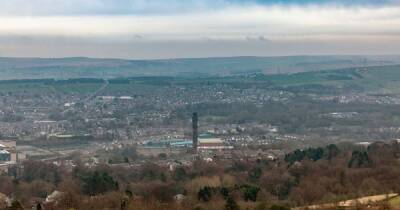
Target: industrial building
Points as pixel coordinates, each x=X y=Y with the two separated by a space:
x=8 y=154
x=205 y=141
x=169 y=143
x=212 y=144
x=195 y=135
x=8 y=151
x=182 y=144
x=4 y=155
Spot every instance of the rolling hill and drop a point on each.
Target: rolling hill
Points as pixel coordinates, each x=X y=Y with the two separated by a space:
x=81 y=67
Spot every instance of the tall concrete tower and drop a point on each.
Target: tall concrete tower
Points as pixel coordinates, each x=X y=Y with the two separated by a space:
x=195 y=136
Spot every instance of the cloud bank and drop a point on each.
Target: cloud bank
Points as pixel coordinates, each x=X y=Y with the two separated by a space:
x=172 y=27
x=274 y=22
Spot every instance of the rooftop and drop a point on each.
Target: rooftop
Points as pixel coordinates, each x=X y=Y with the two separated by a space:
x=210 y=140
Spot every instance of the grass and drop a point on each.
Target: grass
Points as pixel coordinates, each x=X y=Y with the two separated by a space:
x=395 y=202
x=299 y=78
x=383 y=79
x=24 y=87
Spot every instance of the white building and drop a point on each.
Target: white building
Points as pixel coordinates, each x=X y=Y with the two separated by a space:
x=212 y=144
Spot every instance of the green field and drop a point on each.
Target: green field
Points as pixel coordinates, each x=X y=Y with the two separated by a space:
x=382 y=80
x=24 y=87
x=379 y=80
x=76 y=88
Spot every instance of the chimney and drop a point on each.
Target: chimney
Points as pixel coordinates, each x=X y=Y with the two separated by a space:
x=195 y=131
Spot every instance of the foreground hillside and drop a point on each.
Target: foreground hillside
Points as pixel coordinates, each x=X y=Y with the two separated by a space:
x=311 y=176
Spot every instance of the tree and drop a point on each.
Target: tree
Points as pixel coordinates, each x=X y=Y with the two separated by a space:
x=38 y=206
x=150 y=171
x=224 y=192
x=278 y=183
x=16 y=205
x=255 y=173
x=180 y=174
x=34 y=170
x=250 y=193
x=231 y=204
x=98 y=183
x=162 y=156
x=359 y=159
x=205 y=194
x=332 y=151
x=313 y=154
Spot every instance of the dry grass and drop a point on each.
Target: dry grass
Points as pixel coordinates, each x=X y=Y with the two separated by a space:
x=395 y=202
x=353 y=203
x=228 y=181
x=196 y=184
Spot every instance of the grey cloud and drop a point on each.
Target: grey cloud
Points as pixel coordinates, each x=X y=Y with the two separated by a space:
x=257 y=38
x=231 y=31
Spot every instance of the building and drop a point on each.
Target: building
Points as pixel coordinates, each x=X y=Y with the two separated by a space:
x=125 y=97
x=169 y=143
x=205 y=141
x=5 y=155
x=8 y=155
x=182 y=144
x=195 y=135
x=8 y=151
x=212 y=144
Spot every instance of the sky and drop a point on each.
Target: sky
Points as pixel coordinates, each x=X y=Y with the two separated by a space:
x=152 y=29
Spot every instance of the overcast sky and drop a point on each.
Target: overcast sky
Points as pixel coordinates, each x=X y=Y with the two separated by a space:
x=139 y=29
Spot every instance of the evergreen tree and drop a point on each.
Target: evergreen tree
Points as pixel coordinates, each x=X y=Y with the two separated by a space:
x=231 y=204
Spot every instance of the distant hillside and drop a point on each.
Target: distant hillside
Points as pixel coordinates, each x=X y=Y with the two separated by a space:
x=78 y=67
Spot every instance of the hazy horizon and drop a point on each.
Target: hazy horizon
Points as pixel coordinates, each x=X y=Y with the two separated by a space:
x=208 y=57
